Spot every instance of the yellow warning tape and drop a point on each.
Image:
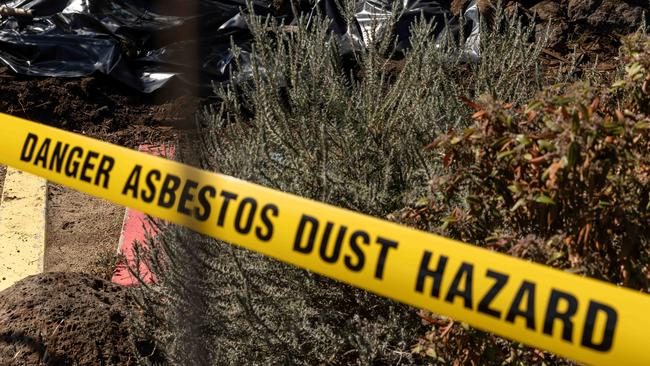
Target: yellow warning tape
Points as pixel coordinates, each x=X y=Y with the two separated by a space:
x=586 y=320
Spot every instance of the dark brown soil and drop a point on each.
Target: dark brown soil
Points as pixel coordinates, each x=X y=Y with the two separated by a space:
x=97 y=106
x=69 y=319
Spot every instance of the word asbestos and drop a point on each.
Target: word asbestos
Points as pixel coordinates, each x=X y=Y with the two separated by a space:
x=171 y=195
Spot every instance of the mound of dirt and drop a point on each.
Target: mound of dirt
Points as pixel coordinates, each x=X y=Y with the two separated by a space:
x=69 y=319
x=582 y=33
x=572 y=20
x=606 y=15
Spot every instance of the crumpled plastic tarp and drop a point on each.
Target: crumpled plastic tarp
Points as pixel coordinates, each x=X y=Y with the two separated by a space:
x=145 y=44
x=130 y=40
x=372 y=18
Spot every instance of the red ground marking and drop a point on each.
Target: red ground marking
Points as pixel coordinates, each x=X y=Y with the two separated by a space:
x=136 y=228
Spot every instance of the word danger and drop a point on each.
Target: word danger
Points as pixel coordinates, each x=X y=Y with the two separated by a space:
x=74 y=161
x=198 y=201
x=559 y=313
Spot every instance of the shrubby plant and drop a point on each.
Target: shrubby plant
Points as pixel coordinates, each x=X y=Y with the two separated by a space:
x=349 y=130
x=570 y=167
x=563 y=180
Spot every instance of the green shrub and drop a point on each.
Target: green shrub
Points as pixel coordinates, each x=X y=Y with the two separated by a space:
x=563 y=180
x=566 y=168
x=347 y=131
x=353 y=136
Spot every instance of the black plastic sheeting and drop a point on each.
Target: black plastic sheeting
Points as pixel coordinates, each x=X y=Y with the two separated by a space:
x=145 y=44
x=371 y=20
x=132 y=41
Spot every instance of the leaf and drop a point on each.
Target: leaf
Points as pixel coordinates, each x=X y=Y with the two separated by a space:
x=543 y=199
x=514 y=188
x=555 y=256
x=522 y=139
x=449 y=219
x=422 y=202
x=446 y=161
x=590 y=140
x=574 y=154
x=520 y=202
x=501 y=141
x=545 y=145
x=533 y=107
x=586 y=113
x=446 y=221
x=575 y=121
x=619 y=115
x=468 y=132
x=493 y=236
x=479 y=114
x=531 y=116
x=470 y=103
x=540 y=159
x=583 y=235
x=508 y=120
x=552 y=172
x=642 y=125
x=634 y=70
x=504 y=154
x=474 y=199
x=594 y=105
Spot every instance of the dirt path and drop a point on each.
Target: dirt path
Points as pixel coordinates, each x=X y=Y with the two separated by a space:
x=82 y=232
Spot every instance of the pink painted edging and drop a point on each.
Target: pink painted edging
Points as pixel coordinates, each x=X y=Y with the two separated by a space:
x=136 y=228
